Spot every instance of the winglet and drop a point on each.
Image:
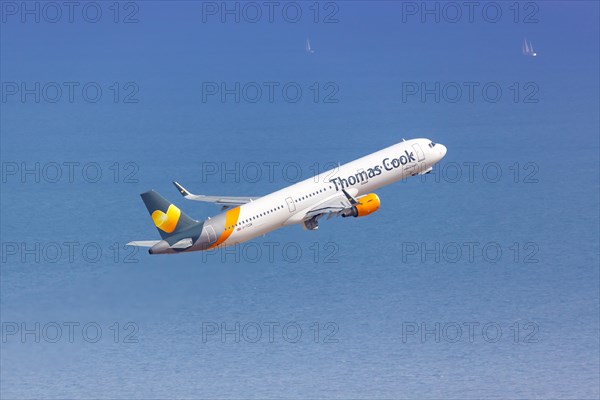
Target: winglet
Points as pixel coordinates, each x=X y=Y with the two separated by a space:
x=351 y=199
x=181 y=189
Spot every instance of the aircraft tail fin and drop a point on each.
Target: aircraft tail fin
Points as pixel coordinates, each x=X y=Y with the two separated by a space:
x=167 y=218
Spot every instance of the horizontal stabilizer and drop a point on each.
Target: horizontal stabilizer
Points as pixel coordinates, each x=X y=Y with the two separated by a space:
x=143 y=243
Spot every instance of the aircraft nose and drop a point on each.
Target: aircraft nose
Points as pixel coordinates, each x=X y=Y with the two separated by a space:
x=442 y=150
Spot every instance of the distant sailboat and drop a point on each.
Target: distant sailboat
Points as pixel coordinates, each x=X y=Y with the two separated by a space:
x=309 y=49
x=528 y=49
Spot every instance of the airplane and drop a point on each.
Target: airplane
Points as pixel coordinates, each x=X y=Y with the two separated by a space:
x=345 y=191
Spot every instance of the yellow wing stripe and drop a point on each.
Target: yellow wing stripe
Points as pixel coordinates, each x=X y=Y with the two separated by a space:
x=231 y=218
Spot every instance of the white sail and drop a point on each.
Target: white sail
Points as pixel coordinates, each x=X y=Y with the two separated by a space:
x=308 y=48
x=525 y=47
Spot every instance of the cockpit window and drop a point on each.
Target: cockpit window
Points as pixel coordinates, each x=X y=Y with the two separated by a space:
x=432 y=144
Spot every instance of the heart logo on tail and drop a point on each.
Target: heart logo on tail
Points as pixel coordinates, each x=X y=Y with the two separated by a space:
x=166 y=222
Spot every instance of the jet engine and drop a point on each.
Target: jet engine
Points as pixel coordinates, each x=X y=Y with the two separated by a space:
x=367 y=204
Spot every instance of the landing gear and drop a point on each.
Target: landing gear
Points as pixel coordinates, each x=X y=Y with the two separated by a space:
x=311 y=224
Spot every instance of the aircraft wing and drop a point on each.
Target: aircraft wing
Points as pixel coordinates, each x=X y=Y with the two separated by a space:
x=227 y=201
x=332 y=206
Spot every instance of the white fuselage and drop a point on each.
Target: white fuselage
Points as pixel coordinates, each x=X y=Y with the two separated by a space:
x=290 y=205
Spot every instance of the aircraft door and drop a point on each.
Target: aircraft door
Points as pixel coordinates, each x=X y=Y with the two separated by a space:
x=420 y=155
x=419 y=152
x=212 y=237
x=290 y=203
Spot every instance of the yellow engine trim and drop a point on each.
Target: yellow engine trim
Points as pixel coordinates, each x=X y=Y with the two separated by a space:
x=367 y=204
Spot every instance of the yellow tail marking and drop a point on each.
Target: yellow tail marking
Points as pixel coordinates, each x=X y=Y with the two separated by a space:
x=166 y=222
x=231 y=218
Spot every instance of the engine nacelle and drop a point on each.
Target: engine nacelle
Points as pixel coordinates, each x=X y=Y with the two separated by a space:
x=367 y=205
